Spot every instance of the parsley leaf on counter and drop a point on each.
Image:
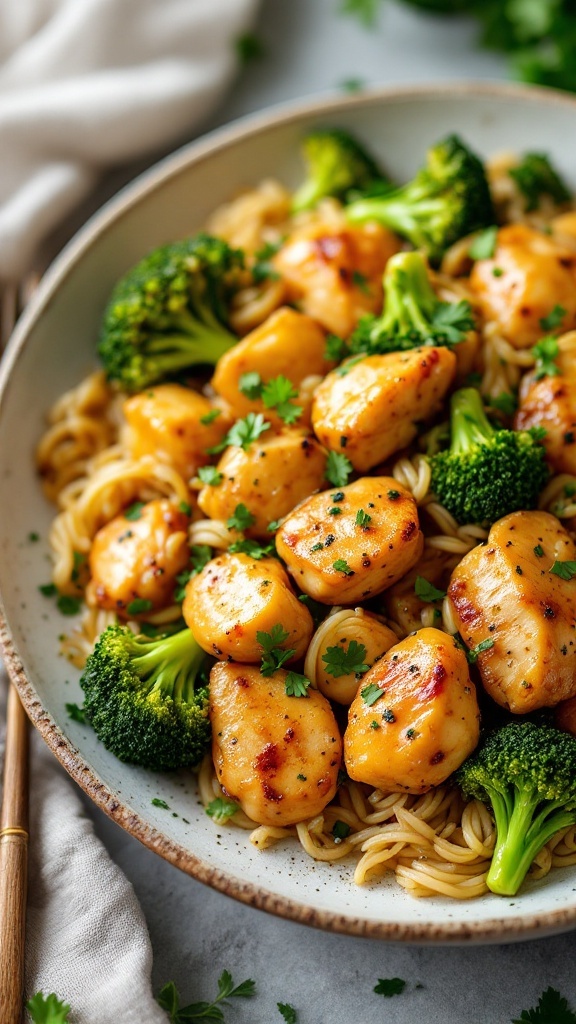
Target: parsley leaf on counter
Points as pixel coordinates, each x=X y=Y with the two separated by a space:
x=169 y=999
x=288 y=1012
x=552 y=1008
x=249 y=47
x=389 y=987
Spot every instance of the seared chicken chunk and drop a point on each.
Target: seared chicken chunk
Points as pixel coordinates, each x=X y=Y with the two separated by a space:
x=167 y=421
x=373 y=410
x=288 y=344
x=270 y=478
x=551 y=403
x=234 y=598
x=534 y=273
x=334 y=274
x=504 y=592
x=277 y=756
x=135 y=561
x=345 y=545
x=415 y=718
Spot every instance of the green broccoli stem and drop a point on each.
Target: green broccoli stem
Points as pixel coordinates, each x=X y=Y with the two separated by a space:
x=402 y=211
x=170 y=665
x=469 y=424
x=309 y=193
x=520 y=835
x=410 y=300
x=194 y=342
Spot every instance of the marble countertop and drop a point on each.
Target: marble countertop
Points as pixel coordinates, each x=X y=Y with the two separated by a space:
x=196 y=932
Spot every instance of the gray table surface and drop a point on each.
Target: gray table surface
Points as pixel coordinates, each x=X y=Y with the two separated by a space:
x=196 y=932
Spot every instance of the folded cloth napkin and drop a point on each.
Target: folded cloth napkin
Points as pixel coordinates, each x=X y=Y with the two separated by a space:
x=86 y=937
x=89 y=84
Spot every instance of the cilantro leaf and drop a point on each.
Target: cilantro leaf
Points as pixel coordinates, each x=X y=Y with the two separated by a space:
x=240 y=519
x=221 y=808
x=210 y=417
x=454 y=319
x=76 y=713
x=296 y=685
x=565 y=570
x=209 y=475
x=427 y=591
x=552 y=1008
x=341 y=565
x=274 y=654
x=545 y=352
x=169 y=999
x=389 y=987
x=484 y=245
x=243 y=433
x=342 y=662
x=362 y=518
x=288 y=1012
x=47 y=1009
x=252 y=548
x=338 y=469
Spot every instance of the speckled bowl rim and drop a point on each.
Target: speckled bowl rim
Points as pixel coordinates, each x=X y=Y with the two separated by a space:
x=490 y=930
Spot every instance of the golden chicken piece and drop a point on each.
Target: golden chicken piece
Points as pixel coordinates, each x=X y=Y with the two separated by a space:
x=373 y=410
x=275 y=755
x=551 y=403
x=288 y=344
x=134 y=561
x=346 y=545
x=175 y=424
x=527 y=276
x=401 y=602
x=335 y=274
x=340 y=630
x=270 y=478
x=415 y=718
x=234 y=597
x=505 y=597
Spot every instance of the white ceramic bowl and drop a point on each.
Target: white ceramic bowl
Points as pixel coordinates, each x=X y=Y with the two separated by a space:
x=54 y=347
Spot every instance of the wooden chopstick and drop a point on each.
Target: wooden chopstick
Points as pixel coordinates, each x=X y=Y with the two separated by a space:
x=14 y=812
x=13 y=861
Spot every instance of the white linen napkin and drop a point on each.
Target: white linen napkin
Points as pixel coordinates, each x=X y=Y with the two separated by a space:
x=89 y=84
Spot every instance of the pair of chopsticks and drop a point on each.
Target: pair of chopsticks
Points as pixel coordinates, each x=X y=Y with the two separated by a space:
x=14 y=812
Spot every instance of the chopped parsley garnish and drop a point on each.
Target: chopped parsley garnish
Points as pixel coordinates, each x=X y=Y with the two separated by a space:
x=554 y=318
x=565 y=570
x=157 y=802
x=474 y=654
x=539 y=551
x=68 y=605
x=273 y=526
x=138 y=606
x=76 y=713
x=341 y=565
x=505 y=402
x=427 y=591
x=545 y=352
x=48 y=589
x=262 y=270
x=360 y=281
x=362 y=518
x=340 y=661
x=484 y=245
x=274 y=654
x=371 y=693
x=389 y=987
x=33 y=537
x=209 y=475
x=335 y=511
x=252 y=548
x=388 y=716
x=185 y=508
x=241 y=518
x=134 y=512
x=209 y=417
x=250 y=384
x=338 y=468
x=277 y=394
x=243 y=433
x=340 y=830
x=221 y=808
x=296 y=685
x=336 y=349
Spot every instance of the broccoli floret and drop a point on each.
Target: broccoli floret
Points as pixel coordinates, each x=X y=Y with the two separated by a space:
x=336 y=163
x=413 y=314
x=535 y=177
x=487 y=472
x=527 y=773
x=143 y=699
x=448 y=198
x=170 y=312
